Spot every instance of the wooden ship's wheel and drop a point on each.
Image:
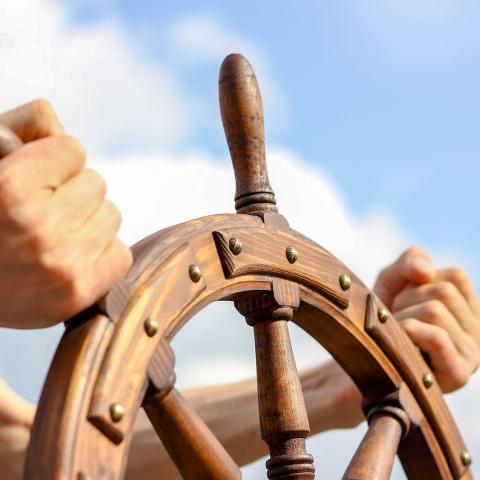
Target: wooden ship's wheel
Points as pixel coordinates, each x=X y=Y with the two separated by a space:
x=115 y=357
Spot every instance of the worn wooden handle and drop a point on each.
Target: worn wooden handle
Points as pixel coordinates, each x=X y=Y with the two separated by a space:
x=242 y=116
x=9 y=141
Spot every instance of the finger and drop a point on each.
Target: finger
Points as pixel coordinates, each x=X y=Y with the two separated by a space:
x=34 y=120
x=446 y=293
x=76 y=200
x=37 y=165
x=436 y=313
x=460 y=279
x=110 y=266
x=413 y=266
x=99 y=231
x=450 y=370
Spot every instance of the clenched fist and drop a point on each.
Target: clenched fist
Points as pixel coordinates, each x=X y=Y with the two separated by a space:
x=58 y=247
x=439 y=310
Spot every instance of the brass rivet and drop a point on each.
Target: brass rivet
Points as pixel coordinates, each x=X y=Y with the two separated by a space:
x=382 y=314
x=292 y=254
x=428 y=380
x=345 y=281
x=116 y=412
x=235 y=245
x=150 y=326
x=466 y=458
x=195 y=273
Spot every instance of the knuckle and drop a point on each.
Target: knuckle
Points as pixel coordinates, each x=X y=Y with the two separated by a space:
x=73 y=146
x=458 y=377
x=439 y=338
x=42 y=109
x=10 y=190
x=457 y=275
x=97 y=181
x=444 y=291
x=434 y=310
x=408 y=324
x=126 y=258
x=43 y=116
x=114 y=213
x=413 y=251
x=40 y=239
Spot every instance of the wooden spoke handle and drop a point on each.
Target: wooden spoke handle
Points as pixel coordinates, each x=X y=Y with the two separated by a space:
x=191 y=445
x=242 y=116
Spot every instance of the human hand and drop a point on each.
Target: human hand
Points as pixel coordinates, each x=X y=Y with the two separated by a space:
x=59 y=249
x=439 y=310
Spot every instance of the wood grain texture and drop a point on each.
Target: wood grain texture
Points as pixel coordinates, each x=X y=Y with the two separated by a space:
x=340 y=330
x=56 y=449
x=264 y=253
x=283 y=416
x=191 y=445
x=374 y=458
x=403 y=354
x=161 y=300
x=242 y=117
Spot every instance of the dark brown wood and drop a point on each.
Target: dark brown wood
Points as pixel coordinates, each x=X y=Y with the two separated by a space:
x=374 y=458
x=242 y=116
x=260 y=255
x=283 y=418
x=191 y=445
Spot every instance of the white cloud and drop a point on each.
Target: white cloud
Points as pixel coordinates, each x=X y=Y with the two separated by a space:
x=204 y=37
x=101 y=87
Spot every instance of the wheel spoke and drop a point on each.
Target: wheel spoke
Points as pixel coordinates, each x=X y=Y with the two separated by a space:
x=192 y=446
x=375 y=455
x=283 y=416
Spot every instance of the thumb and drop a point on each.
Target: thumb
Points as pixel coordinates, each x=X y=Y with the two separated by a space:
x=413 y=266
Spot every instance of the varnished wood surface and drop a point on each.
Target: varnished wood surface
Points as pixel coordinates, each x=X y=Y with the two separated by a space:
x=258 y=257
x=283 y=417
x=242 y=117
x=374 y=458
x=340 y=330
x=191 y=445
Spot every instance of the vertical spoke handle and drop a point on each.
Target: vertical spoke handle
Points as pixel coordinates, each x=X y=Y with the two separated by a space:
x=242 y=117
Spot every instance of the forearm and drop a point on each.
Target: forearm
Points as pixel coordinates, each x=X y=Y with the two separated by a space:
x=16 y=418
x=231 y=413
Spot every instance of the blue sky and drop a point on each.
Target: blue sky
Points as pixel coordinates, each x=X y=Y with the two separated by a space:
x=372 y=114
x=383 y=95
